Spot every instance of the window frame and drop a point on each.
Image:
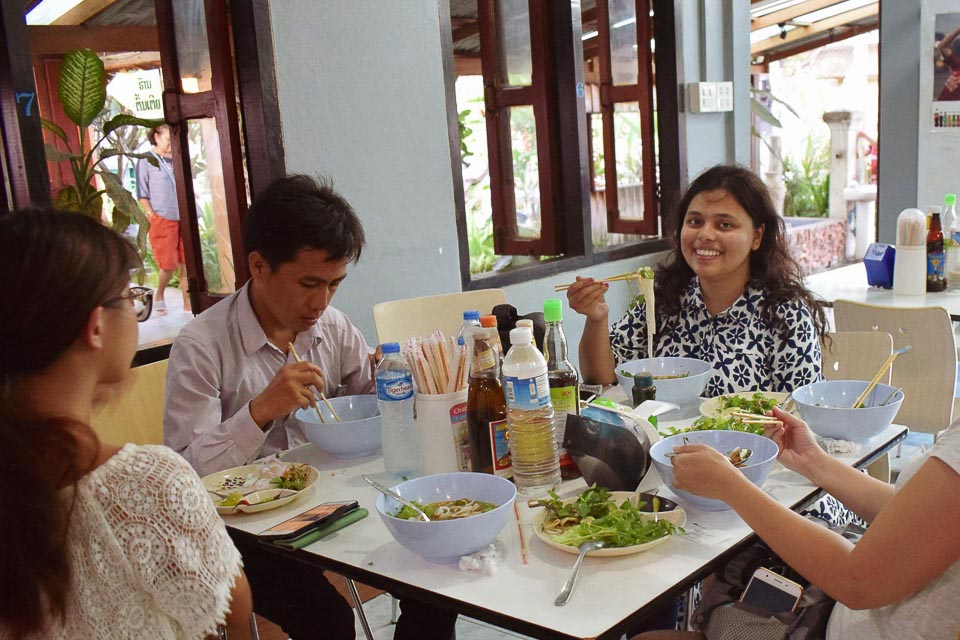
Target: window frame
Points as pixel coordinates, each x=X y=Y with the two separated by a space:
x=574 y=188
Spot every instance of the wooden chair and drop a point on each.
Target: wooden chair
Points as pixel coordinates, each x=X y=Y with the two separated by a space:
x=927 y=373
x=858 y=355
x=398 y=320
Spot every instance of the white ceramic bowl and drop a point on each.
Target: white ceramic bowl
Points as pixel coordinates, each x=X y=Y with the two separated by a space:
x=827 y=408
x=756 y=469
x=445 y=541
x=356 y=436
x=681 y=391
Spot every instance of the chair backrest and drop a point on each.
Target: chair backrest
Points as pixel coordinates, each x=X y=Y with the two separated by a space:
x=136 y=414
x=856 y=355
x=398 y=320
x=928 y=372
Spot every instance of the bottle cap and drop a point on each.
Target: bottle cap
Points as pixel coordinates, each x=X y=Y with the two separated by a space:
x=643 y=379
x=931 y=210
x=390 y=347
x=525 y=323
x=473 y=314
x=488 y=321
x=950 y=199
x=521 y=335
x=552 y=310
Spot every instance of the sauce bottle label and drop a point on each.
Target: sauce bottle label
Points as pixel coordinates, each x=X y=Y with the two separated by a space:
x=483 y=360
x=935 y=265
x=500 y=449
x=527 y=394
x=461 y=435
x=564 y=399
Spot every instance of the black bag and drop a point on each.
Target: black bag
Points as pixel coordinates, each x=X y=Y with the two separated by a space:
x=721 y=616
x=507 y=317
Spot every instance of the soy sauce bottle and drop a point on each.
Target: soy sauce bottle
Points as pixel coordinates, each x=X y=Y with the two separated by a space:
x=936 y=258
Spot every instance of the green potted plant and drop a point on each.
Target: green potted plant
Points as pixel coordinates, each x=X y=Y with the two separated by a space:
x=82 y=92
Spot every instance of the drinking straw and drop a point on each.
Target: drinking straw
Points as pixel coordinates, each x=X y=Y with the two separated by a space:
x=322 y=397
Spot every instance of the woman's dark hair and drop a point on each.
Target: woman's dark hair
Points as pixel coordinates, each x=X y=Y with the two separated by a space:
x=772 y=268
x=55 y=269
x=299 y=212
x=152 y=133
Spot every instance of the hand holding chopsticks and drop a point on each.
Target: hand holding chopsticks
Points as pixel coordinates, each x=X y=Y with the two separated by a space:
x=296 y=357
x=873 y=383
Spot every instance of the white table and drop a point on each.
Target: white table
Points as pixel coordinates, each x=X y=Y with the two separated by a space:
x=613 y=594
x=850 y=283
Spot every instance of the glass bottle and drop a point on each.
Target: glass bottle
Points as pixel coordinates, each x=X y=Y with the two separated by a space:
x=643 y=388
x=564 y=381
x=490 y=322
x=936 y=279
x=487 y=409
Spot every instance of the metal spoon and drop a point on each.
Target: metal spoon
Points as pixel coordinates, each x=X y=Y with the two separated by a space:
x=571 y=582
x=391 y=494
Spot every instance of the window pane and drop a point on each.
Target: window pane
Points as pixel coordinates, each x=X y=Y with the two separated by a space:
x=193 y=52
x=475 y=169
x=526 y=177
x=208 y=188
x=623 y=41
x=514 y=36
x=626 y=122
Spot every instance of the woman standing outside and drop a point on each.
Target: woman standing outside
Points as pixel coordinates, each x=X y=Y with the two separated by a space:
x=729 y=294
x=96 y=541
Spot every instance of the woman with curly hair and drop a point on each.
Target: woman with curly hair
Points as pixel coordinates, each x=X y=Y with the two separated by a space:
x=729 y=294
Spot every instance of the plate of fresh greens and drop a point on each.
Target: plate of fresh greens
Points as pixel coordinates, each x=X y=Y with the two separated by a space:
x=611 y=516
x=758 y=402
x=260 y=486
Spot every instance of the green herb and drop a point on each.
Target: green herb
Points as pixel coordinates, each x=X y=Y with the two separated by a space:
x=757 y=403
x=446 y=509
x=595 y=516
x=295 y=478
x=718 y=424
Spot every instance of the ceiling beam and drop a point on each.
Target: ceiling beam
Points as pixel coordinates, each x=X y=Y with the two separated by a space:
x=785 y=15
x=83 y=12
x=835 y=36
x=800 y=33
x=50 y=40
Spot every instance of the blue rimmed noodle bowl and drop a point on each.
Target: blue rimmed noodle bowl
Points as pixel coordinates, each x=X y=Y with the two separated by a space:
x=680 y=391
x=444 y=541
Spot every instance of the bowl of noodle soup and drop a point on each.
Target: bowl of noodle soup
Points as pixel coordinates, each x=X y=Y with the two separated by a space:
x=458 y=529
x=678 y=380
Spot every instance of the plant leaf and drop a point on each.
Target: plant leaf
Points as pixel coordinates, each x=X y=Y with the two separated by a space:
x=56 y=155
x=128 y=208
x=67 y=199
x=124 y=120
x=149 y=157
x=82 y=87
x=55 y=129
x=763 y=113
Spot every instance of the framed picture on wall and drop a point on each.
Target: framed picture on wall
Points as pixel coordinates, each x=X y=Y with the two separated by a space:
x=945 y=80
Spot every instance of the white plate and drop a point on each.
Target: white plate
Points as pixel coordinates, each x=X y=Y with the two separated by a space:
x=710 y=407
x=245 y=477
x=677 y=516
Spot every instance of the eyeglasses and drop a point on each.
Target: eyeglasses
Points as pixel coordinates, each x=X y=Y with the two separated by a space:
x=139 y=297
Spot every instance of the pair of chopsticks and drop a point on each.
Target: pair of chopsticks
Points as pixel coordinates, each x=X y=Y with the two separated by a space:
x=623 y=277
x=754 y=418
x=876 y=379
x=322 y=396
x=523 y=540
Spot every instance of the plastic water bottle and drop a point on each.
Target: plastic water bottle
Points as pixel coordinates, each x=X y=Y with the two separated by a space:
x=533 y=447
x=471 y=321
x=398 y=434
x=951 y=234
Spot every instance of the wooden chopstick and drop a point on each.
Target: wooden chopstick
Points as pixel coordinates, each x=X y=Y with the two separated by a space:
x=322 y=396
x=633 y=275
x=523 y=540
x=873 y=383
x=753 y=416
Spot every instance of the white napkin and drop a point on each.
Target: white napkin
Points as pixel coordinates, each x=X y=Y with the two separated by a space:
x=485 y=561
x=835 y=447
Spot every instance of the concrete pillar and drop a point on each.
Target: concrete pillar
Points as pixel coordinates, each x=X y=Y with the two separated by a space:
x=843 y=132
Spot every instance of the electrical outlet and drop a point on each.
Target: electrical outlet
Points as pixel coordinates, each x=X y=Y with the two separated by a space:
x=703 y=97
x=724 y=96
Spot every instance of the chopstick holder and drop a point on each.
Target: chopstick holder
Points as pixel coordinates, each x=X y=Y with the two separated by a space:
x=316 y=534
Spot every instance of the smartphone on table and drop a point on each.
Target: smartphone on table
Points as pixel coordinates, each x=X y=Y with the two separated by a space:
x=772 y=592
x=319 y=516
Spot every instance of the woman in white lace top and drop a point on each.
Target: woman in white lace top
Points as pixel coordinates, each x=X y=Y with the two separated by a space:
x=95 y=541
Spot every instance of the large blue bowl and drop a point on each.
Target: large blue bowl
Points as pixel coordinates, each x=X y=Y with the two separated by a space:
x=358 y=434
x=680 y=391
x=756 y=469
x=445 y=541
x=827 y=408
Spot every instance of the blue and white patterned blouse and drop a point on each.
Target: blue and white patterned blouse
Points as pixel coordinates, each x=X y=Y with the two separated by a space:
x=746 y=351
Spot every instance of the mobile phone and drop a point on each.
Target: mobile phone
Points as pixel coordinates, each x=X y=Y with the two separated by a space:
x=771 y=592
x=318 y=516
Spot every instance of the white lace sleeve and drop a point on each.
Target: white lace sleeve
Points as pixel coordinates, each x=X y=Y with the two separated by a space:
x=176 y=543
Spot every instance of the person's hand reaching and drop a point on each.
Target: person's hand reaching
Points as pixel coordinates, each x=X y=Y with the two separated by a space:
x=799 y=450
x=586 y=297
